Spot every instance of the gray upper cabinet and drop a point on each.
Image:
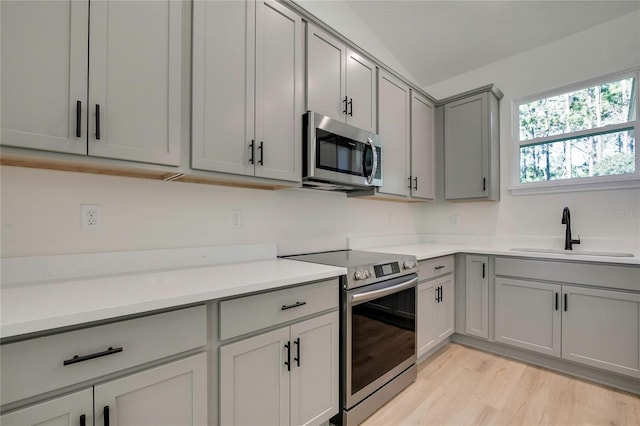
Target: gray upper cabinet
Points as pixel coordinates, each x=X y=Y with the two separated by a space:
x=340 y=82
x=93 y=81
x=422 y=147
x=247 y=89
x=472 y=145
x=394 y=99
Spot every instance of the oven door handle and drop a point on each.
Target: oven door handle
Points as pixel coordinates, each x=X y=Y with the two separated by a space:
x=356 y=299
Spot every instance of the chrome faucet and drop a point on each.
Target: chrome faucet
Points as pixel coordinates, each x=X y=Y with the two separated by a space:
x=566 y=220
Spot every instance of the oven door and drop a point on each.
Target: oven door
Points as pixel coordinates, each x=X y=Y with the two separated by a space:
x=380 y=335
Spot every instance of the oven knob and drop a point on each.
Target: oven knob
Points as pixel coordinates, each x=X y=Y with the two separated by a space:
x=367 y=272
x=408 y=264
x=360 y=275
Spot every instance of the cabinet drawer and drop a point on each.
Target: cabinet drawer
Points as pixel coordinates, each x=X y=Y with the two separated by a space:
x=597 y=274
x=35 y=366
x=435 y=267
x=251 y=313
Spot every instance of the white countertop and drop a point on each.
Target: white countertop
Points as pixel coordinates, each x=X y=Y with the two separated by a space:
x=426 y=246
x=34 y=307
x=430 y=250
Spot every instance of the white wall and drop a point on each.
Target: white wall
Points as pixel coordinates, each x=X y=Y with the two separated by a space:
x=607 y=48
x=40 y=215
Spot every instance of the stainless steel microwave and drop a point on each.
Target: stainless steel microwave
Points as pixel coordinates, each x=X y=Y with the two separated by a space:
x=339 y=157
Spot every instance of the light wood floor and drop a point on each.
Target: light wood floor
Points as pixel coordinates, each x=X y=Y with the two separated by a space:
x=464 y=386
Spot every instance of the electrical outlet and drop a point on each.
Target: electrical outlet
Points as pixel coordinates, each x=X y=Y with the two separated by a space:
x=236 y=218
x=90 y=217
x=454 y=219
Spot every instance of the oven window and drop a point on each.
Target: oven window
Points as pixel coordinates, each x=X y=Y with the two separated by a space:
x=383 y=336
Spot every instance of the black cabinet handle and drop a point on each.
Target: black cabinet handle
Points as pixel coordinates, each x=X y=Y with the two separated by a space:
x=346 y=98
x=78 y=119
x=288 y=361
x=78 y=358
x=437 y=294
x=83 y=420
x=484 y=184
x=437 y=268
x=105 y=413
x=556 y=301
x=483 y=270
x=97 y=121
x=351 y=107
x=409 y=182
x=252 y=146
x=261 y=148
x=295 y=305
x=415 y=179
x=566 y=302
x=297 y=358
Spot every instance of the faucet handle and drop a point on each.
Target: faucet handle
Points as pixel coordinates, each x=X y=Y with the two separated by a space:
x=577 y=241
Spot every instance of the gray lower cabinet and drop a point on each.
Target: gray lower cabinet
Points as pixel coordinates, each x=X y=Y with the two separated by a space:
x=48 y=370
x=175 y=393
x=477 y=296
x=565 y=309
x=288 y=373
x=528 y=315
x=601 y=328
x=472 y=145
x=435 y=302
x=284 y=377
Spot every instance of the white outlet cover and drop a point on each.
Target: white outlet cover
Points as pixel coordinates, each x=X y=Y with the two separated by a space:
x=90 y=217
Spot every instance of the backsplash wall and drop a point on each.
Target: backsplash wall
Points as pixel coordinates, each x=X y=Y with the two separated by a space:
x=40 y=215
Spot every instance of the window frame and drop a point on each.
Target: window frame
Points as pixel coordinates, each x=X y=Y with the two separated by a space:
x=583 y=183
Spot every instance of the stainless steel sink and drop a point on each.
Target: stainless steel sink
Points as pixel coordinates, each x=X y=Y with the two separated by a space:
x=575 y=252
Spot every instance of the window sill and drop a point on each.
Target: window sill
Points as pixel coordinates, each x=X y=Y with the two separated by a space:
x=584 y=184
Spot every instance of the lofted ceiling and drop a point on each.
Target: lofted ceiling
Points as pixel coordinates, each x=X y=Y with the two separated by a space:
x=436 y=40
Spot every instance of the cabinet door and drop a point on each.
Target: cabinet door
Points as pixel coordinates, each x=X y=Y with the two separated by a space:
x=172 y=394
x=135 y=78
x=601 y=328
x=444 y=309
x=314 y=372
x=279 y=92
x=393 y=126
x=326 y=74
x=422 y=147
x=426 y=323
x=466 y=138
x=477 y=296
x=528 y=315
x=44 y=74
x=223 y=86
x=361 y=91
x=254 y=380
x=70 y=410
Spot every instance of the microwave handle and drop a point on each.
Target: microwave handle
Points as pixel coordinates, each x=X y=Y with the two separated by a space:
x=374 y=168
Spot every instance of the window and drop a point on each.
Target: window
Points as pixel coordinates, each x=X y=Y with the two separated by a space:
x=580 y=137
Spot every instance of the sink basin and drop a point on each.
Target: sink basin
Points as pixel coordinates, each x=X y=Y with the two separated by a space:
x=575 y=252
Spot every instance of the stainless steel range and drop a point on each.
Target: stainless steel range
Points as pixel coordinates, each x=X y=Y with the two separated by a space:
x=377 y=328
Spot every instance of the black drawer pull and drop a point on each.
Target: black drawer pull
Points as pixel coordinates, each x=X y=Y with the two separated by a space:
x=437 y=268
x=78 y=358
x=295 y=305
